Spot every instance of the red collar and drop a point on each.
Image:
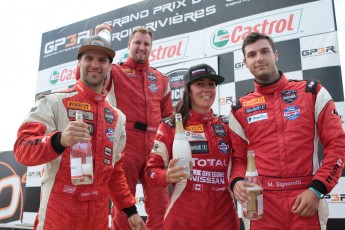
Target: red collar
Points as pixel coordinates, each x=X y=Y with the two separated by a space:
x=86 y=92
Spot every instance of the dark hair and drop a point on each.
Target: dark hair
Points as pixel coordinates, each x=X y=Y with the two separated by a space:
x=184 y=105
x=254 y=37
x=140 y=29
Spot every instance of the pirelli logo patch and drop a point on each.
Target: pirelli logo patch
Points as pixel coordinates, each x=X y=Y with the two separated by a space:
x=195 y=128
x=254 y=101
x=78 y=105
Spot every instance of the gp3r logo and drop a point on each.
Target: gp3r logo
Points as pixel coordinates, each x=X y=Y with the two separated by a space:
x=10 y=192
x=65 y=42
x=319 y=51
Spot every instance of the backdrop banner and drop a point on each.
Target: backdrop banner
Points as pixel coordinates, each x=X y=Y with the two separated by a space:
x=188 y=32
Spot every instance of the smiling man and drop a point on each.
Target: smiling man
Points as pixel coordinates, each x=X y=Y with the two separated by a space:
x=282 y=121
x=143 y=94
x=49 y=131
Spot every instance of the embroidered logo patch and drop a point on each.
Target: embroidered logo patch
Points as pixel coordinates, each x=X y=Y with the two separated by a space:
x=223 y=146
x=292 y=112
x=108 y=115
x=289 y=96
x=110 y=134
x=153 y=87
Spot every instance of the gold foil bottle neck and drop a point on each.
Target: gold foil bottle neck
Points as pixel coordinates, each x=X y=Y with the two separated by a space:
x=178 y=124
x=251 y=161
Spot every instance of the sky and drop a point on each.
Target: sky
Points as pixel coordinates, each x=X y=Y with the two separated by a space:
x=22 y=24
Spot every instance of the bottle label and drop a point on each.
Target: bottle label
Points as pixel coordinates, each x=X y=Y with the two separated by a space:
x=86 y=169
x=76 y=169
x=260 y=204
x=187 y=166
x=251 y=173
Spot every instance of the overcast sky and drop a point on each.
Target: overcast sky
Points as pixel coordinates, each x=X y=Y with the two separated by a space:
x=22 y=24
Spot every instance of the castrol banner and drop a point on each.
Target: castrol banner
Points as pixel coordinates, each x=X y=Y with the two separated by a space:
x=209 y=32
x=170 y=50
x=167 y=19
x=282 y=24
x=57 y=77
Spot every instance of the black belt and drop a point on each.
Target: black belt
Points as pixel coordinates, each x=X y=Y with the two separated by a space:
x=140 y=126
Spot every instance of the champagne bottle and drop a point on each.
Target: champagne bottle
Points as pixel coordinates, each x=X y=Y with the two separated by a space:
x=254 y=208
x=181 y=147
x=106 y=34
x=81 y=159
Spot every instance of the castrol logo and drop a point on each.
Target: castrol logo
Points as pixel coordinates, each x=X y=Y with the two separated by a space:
x=281 y=24
x=168 y=50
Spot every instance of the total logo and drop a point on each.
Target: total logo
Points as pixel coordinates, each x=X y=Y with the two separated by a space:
x=283 y=24
x=63 y=76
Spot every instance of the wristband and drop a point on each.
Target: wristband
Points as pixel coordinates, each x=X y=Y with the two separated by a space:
x=318 y=194
x=130 y=211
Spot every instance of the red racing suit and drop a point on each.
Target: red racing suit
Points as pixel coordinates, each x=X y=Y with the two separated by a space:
x=203 y=202
x=144 y=96
x=64 y=205
x=282 y=123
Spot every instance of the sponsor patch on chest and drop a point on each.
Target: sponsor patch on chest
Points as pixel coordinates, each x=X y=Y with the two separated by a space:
x=292 y=113
x=153 y=87
x=198 y=147
x=195 y=128
x=108 y=115
x=192 y=136
x=257 y=117
x=223 y=146
x=79 y=105
x=152 y=76
x=254 y=101
x=289 y=96
x=255 y=108
x=110 y=134
x=219 y=130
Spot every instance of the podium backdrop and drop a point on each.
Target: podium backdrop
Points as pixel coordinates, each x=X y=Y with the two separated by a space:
x=195 y=31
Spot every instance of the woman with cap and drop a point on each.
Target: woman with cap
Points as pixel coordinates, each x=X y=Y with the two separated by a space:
x=203 y=201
